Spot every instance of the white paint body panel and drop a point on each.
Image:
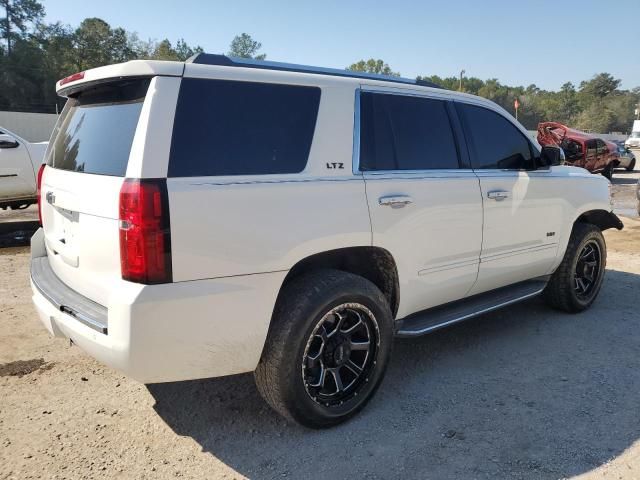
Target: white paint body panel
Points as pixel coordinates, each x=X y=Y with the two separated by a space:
x=520 y=232
x=234 y=239
x=435 y=240
x=177 y=331
x=19 y=167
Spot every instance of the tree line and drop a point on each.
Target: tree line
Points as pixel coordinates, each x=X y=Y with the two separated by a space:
x=35 y=54
x=596 y=105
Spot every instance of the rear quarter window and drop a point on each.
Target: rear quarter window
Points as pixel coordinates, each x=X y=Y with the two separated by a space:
x=242 y=128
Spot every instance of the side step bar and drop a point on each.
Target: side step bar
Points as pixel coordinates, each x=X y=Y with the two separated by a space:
x=438 y=317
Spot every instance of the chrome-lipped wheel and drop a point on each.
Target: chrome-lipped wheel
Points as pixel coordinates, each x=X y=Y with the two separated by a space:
x=588 y=269
x=340 y=354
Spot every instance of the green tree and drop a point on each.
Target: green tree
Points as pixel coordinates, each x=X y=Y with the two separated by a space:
x=96 y=44
x=600 y=85
x=379 y=67
x=18 y=15
x=184 y=51
x=597 y=117
x=163 y=50
x=246 y=47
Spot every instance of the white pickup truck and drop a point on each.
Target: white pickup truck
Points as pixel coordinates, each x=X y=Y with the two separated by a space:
x=221 y=216
x=19 y=164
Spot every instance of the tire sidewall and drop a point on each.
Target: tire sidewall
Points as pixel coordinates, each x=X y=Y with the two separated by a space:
x=296 y=398
x=583 y=303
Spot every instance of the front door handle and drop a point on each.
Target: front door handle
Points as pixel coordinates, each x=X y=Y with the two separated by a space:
x=395 y=201
x=498 y=195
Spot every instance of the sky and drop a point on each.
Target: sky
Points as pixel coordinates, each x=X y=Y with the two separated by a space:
x=519 y=42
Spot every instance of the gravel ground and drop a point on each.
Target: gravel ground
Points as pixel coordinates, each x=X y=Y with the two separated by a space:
x=525 y=392
x=624 y=191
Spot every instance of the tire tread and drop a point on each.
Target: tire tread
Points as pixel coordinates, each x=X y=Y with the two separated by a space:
x=559 y=291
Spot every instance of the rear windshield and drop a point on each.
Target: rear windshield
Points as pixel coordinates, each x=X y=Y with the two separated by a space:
x=242 y=128
x=96 y=128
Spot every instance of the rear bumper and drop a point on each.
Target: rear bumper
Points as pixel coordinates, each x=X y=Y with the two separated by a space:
x=162 y=333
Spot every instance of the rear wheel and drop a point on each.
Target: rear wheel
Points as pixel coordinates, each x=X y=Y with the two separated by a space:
x=631 y=165
x=327 y=348
x=575 y=284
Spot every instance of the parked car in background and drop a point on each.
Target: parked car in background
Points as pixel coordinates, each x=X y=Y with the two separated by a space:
x=19 y=164
x=634 y=139
x=581 y=149
x=626 y=157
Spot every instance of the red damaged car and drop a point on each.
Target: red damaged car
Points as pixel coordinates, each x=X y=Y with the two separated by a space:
x=580 y=148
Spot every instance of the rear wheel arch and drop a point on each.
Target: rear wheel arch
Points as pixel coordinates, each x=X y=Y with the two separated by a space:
x=373 y=263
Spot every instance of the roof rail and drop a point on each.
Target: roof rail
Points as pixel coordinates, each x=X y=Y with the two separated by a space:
x=226 y=61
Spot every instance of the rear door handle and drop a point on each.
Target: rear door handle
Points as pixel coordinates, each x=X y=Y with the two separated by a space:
x=395 y=201
x=498 y=195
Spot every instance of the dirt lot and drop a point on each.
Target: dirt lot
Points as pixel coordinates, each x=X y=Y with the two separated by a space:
x=521 y=393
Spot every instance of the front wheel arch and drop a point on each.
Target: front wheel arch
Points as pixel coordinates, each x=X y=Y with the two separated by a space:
x=602 y=219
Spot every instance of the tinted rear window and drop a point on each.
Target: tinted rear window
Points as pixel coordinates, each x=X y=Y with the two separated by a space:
x=96 y=129
x=242 y=128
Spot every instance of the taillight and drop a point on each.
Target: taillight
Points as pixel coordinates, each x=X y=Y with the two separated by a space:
x=39 y=191
x=145 y=236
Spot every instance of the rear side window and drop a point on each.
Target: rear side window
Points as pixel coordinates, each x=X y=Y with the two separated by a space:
x=496 y=142
x=592 y=146
x=242 y=128
x=399 y=132
x=96 y=128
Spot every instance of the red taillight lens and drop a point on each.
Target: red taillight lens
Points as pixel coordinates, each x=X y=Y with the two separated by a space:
x=72 y=78
x=145 y=237
x=39 y=191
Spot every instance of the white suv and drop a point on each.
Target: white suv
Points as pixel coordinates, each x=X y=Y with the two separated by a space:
x=222 y=216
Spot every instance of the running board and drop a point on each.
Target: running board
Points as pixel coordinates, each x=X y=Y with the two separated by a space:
x=438 y=317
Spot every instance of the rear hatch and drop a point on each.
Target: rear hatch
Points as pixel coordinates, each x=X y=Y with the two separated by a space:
x=86 y=165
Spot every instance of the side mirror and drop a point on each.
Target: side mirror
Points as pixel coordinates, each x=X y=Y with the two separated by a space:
x=550 y=156
x=7 y=141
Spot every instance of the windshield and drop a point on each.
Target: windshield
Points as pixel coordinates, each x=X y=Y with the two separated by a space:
x=96 y=128
x=635 y=134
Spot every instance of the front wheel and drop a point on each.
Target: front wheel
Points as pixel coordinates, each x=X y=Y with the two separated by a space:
x=608 y=171
x=327 y=348
x=575 y=284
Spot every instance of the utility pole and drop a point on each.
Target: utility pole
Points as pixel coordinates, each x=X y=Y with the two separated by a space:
x=462 y=72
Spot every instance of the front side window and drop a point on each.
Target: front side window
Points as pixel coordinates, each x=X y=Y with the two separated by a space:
x=572 y=149
x=242 y=128
x=400 y=132
x=496 y=142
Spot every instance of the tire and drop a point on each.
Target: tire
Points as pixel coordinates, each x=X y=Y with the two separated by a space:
x=564 y=291
x=631 y=166
x=307 y=344
x=608 y=171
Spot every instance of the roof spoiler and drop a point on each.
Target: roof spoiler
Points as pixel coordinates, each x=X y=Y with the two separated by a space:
x=226 y=61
